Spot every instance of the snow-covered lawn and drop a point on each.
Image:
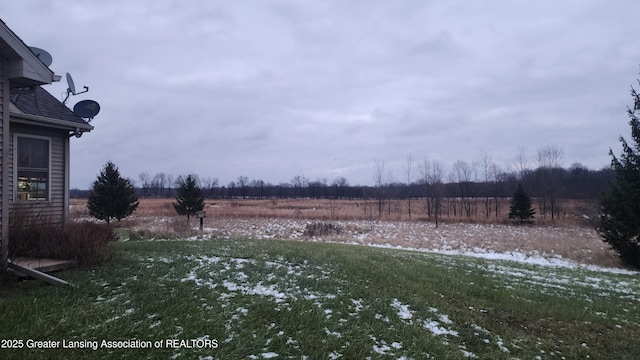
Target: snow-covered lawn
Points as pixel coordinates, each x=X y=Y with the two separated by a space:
x=364 y=293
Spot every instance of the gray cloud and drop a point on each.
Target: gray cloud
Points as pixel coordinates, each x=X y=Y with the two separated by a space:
x=276 y=89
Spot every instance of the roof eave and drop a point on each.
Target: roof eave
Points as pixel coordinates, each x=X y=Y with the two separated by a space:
x=49 y=122
x=25 y=68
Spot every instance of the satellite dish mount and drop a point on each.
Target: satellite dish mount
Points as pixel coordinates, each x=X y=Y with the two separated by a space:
x=72 y=88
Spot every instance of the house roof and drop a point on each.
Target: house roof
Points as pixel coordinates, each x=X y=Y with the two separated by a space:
x=45 y=108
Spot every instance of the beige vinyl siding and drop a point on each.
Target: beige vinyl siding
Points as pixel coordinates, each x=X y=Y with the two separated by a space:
x=53 y=209
x=4 y=111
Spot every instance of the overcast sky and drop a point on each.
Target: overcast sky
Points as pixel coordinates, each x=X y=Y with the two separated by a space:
x=275 y=89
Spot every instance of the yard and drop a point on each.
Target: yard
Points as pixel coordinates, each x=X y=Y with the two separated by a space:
x=232 y=297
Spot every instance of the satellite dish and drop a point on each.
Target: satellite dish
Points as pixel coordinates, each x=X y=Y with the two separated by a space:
x=87 y=109
x=43 y=55
x=72 y=88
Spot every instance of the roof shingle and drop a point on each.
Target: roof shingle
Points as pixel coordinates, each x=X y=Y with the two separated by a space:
x=41 y=103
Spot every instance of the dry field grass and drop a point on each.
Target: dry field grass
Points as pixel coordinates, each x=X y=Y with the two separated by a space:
x=356 y=221
x=572 y=212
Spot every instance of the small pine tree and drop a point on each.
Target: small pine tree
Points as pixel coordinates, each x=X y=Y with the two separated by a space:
x=189 y=199
x=520 y=207
x=620 y=208
x=112 y=196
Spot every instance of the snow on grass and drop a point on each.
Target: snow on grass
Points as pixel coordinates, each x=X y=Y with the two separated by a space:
x=247 y=277
x=233 y=276
x=264 y=355
x=514 y=256
x=383 y=348
x=403 y=311
x=357 y=307
x=534 y=260
x=257 y=289
x=468 y=354
x=500 y=344
x=436 y=329
x=273 y=281
x=570 y=247
x=332 y=333
x=554 y=281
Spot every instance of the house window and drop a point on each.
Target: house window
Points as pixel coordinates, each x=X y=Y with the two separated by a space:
x=32 y=168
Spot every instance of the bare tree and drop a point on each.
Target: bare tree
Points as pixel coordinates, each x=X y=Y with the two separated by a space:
x=144 y=183
x=300 y=183
x=496 y=174
x=379 y=183
x=462 y=173
x=437 y=189
x=431 y=177
x=549 y=158
x=340 y=185
x=424 y=169
x=258 y=188
x=170 y=182
x=243 y=183
x=208 y=186
x=521 y=163
x=158 y=184
x=409 y=173
x=486 y=168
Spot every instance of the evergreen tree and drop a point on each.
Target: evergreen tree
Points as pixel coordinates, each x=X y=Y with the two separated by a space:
x=520 y=207
x=620 y=207
x=189 y=199
x=112 y=196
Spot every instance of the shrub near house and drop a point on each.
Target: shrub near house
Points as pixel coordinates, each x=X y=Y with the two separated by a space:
x=112 y=197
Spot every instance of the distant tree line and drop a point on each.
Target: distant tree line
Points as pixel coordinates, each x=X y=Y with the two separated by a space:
x=468 y=189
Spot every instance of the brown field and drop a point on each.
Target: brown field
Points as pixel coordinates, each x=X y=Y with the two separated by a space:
x=570 y=237
x=573 y=212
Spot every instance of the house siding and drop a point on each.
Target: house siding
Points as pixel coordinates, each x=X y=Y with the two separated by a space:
x=52 y=210
x=4 y=119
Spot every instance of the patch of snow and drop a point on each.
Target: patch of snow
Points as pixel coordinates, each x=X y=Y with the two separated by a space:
x=403 y=310
x=358 y=306
x=435 y=328
x=500 y=344
x=381 y=349
x=155 y=324
x=468 y=354
x=445 y=319
x=517 y=257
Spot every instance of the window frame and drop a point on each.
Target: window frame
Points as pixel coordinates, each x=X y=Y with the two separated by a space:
x=16 y=168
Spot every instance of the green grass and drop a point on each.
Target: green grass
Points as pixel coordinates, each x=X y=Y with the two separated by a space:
x=260 y=298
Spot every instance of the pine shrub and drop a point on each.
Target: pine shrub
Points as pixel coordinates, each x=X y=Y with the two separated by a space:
x=520 y=208
x=620 y=208
x=112 y=197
